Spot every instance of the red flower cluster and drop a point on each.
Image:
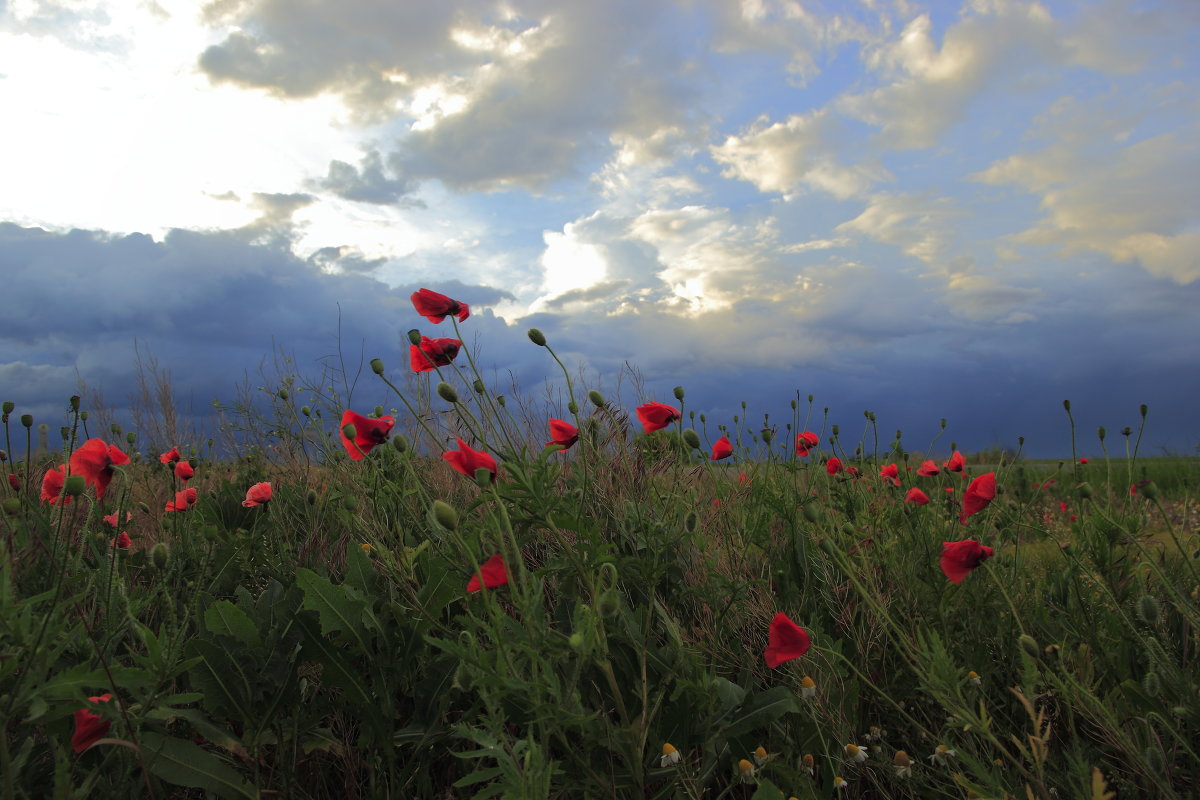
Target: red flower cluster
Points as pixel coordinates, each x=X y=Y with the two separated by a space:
x=956 y=462
x=183 y=500
x=89 y=727
x=785 y=640
x=94 y=460
x=492 y=573
x=52 y=486
x=432 y=353
x=890 y=474
x=928 y=468
x=656 y=416
x=721 y=448
x=436 y=307
x=258 y=495
x=562 y=433
x=805 y=442
x=468 y=461
x=368 y=433
x=959 y=558
x=170 y=457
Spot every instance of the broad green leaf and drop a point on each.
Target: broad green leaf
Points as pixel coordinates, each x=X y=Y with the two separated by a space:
x=226 y=619
x=225 y=687
x=762 y=709
x=336 y=611
x=184 y=763
x=767 y=791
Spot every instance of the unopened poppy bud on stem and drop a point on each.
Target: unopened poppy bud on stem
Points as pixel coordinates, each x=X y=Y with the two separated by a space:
x=306 y=411
x=483 y=477
x=679 y=393
x=74 y=402
x=478 y=386
x=83 y=415
x=1148 y=609
x=349 y=431
x=282 y=394
x=414 y=336
x=1029 y=645
x=9 y=406
x=131 y=437
x=400 y=443
x=27 y=420
x=537 y=337
x=160 y=555
x=446 y=392
x=596 y=398
x=445 y=515
x=377 y=366
x=691 y=439
x=74 y=485
x=12 y=506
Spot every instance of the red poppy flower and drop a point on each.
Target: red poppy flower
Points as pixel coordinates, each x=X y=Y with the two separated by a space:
x=432 y=353
x=183 y=500
x=743 y=480
x=52 y=486
x=721 y=449
x=956 y=462
x=562 y=433
x=368 y=433
x=928 y=468
x=170 y=457
x=467 y=461
x=853 y=471
x=981 y=492
x=1062 y=506
x=89 y=727
x=258 y=495
x=94 y=460
x=915 y=495
x=122 y=541
x=786 y=640
x=111 y=519
x=436 y=307
x=805 y=442
x=656 y=416
x=959 y=558
x=14 y=482
x=492 y=573
x=1083 y=460
x=891 y=474
x=184 y=471
x=833 y=466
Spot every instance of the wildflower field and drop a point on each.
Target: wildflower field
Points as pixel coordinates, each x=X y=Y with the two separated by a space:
x=459 y=598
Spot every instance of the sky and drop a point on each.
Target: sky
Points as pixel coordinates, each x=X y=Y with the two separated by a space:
x=968 y=211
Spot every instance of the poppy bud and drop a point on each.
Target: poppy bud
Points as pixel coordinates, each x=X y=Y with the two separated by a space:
x=12 y=506
x=282 y=394
x=679 y=395
x=131 y=437
x=1084 y=490
x=813 y=514
x=400 y=443
x=377 y=412
x=414 y=336
x=1150 y=491
x=350 y=503
x=311 y=497
x=1148 y=609
x=1066 y=405
x=1142 y=409
x=609 y=603
x=9 y=406
x=83 y=415
x=1151 y=684
x=596 y=398
x=478 y=386
x=689 y=522
x=1126 y=430
x=74 y=402
x=444 y=515
x=793 y=405
x=849 y=529
x=1029 y=645
x=537 y=337
x=446 y=392
x=576 y=641
x=691 y=439
x=1101 y=432
x=306 y=411
x=74 y=485
x=349 y=431
x=1020 y=441
x=142 y=507
x=377 y=366
x=834 y=430
x=767 y=435
x=943 y=423
x=483 y=477
x=500 y=400
x=160 y=555
x=573 y=407
x=27 y=420
x=64 y=432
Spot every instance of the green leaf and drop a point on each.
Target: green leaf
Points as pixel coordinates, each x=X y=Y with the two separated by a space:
x=767 y=791
x=336 y=611
x=337 y=671
x=762 y=709
x=203 y=726
x=225 y=619
x=225 y=687
x=184 y=763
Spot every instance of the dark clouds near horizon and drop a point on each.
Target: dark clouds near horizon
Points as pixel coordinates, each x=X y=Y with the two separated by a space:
x=212 y=307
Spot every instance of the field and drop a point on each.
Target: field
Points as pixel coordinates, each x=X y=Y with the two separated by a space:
x=617 y=602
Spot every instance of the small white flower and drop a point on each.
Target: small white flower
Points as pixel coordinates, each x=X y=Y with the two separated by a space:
x=746 y=771
x=808 y=688
x=761 y=756
x=670 y=755
x=855 y=753
x=974 y=679
x=839 y=783
x=942 y=755
x=903 y=764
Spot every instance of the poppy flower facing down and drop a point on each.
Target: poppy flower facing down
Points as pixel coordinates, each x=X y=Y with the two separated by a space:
x=721 y=449
x=562 y=433
x=468 y=461
x=956 y=462
x=928 y=468
x=94 y=460
x=368 y=433
x=833 y=466
x=89 y=727
x=170 y=457
x=122 y=541
x=492 y=573
x=14 y=482
x=111 y=519
x=52 y=486
x=183 y=500
x=806 y=441
x=785 y=640
x=978 y=495
x=959 y=558
x=258 y=495
x=432 y=353
x=436 y=307
x=656 y=416
x=184 y=471
x=916 y=496
x=890 y=474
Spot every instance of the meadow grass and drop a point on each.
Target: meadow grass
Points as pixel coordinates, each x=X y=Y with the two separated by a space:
x=592 y=621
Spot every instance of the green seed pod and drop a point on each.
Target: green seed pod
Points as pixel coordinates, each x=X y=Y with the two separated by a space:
x=1029 y=645
x=9 y=406
x=1147 y=609
x=131 y=437
x=446 y=392
x=282 y=394
x=609 y=603
x=414 y=336
x=64 y=432
x=500 y=400
x=349 y=431
x=679 y=394
x=1150 y=491
x=689 y=522
x=1066 y=405
x=74 y=485
x=596 y=398
x=27 y=420
x=444 y=515
x=1151 y=684
x=849 y=529
x=1143 y=409
x=83 y=415
x=478 y=386
x=1084 y=490
x=306 y=411
x=377 y=366
x=1101 y=432
x=813 y=514
x=573 y=407
x=142 y=507
x=400 y=443
x=834 y=430
x=160 y=555
x=942 y=422
x=74 y=401
x=311 y=497
x=537 y=337
x=350 y=502
x=12 y=506
x=377 y=412
x=767 y=435
x=827 y=547
x=691 y=439
x=483 y=477
x=114 y=429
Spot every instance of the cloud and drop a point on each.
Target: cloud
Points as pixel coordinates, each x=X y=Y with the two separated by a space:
x=367 y=183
